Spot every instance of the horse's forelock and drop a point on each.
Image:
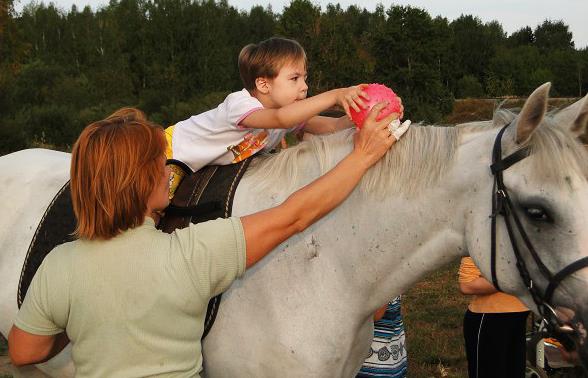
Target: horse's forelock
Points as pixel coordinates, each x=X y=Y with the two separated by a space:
x=557 y=153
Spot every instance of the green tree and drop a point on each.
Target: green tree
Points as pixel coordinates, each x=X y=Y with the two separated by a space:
x=300 y=20
x=469 y=87
x=516 y=71
x=553 y=35
x=406 y=51
x=522 y=37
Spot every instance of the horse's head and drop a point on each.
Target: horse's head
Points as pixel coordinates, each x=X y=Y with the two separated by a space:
x=540 y=193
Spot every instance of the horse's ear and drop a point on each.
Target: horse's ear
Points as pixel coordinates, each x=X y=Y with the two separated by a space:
x=574 y=117
x=580 y=124
x=532 y=113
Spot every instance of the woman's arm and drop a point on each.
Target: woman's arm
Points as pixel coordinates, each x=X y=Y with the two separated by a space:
x=26 y=348
x=266 y=229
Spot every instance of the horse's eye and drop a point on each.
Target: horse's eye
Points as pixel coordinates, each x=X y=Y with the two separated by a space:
x=536 y=213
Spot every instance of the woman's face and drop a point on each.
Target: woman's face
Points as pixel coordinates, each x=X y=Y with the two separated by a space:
x=159 y=198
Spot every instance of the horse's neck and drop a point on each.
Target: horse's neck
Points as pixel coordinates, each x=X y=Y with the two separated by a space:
x=375 y=249
x=390 y=246
x=393 y=242
x=427 y=230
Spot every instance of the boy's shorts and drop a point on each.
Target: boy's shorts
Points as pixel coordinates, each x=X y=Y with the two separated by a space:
x=168 y=137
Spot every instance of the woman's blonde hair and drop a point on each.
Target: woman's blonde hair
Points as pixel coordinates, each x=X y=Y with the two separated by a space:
x=266 y=58
x=115 y=166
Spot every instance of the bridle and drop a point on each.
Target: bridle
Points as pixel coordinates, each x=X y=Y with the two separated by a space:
x=503 y=206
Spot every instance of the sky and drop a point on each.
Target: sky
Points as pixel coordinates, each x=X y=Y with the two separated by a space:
x=512 y=14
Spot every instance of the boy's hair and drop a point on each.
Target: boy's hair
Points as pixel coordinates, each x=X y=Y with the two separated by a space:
x=266 y=58
x=115 y=166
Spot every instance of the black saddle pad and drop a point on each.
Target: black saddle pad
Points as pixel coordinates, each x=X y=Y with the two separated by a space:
x=56 y=227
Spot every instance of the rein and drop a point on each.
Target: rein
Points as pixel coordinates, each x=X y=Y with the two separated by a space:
x=503 y=206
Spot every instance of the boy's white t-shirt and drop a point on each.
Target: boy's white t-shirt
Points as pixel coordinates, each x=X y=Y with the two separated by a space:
x=216 y=136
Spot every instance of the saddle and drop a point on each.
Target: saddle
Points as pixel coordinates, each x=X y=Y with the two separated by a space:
x=199 y=196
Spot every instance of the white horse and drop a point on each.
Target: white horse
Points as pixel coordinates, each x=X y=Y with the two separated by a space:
x=306 y=309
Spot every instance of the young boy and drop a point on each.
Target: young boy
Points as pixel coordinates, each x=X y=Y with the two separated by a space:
x=256 y=118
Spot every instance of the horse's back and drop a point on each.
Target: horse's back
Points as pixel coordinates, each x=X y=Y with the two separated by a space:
x=29 y=180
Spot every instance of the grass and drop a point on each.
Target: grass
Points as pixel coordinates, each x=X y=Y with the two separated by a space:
x=468 y=110
x=3 y=346
x=4 y=352
x=433 y=313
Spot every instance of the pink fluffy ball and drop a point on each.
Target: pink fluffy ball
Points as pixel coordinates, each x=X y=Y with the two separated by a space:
x=377 y=93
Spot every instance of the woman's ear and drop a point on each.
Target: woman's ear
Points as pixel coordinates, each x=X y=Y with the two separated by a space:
x=262 y=85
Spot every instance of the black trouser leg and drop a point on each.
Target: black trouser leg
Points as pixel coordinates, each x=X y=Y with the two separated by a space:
x=495 y=344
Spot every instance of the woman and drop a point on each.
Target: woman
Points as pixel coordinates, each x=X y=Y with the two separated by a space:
x=131 y=298
x=494 y=327
x=387 y=355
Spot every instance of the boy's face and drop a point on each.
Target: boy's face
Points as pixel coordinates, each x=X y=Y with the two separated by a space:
x=289 y=86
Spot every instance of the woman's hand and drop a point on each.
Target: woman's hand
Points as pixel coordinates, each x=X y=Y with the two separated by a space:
x=352 y=98
x=375 y=138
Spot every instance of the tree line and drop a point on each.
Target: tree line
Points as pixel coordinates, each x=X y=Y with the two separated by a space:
x=173 y=58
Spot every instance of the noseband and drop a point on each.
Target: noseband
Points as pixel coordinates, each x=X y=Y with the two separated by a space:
x=502 y=205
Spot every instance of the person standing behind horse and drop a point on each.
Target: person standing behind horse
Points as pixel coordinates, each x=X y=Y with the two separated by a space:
x=387 y=357
x=494 y=327
x=256 y=118
x=131 y=298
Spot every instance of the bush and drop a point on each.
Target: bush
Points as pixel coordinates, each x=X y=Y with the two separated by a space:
x=12 y=137
x=469 y=87
x=52 y=125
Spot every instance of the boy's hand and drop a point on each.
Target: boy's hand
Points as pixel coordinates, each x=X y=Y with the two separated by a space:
x=352 y=98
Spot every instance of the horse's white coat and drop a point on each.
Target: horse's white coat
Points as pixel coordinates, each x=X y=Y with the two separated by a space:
x=306 y=309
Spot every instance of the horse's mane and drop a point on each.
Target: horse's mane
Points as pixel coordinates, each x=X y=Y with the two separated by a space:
x=396 y=172
x=421 y=159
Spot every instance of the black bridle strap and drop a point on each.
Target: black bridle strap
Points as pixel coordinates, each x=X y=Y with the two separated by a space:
x=502 y=205
x=544 y=270
x=500 y=197
x=495 y=212
x=510 y=160
x=568 y=270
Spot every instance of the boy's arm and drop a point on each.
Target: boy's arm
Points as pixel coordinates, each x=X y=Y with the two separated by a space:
x=300 y=111
x=327 y=125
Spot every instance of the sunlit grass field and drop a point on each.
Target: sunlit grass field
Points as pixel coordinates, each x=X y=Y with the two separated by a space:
x=433 y=313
